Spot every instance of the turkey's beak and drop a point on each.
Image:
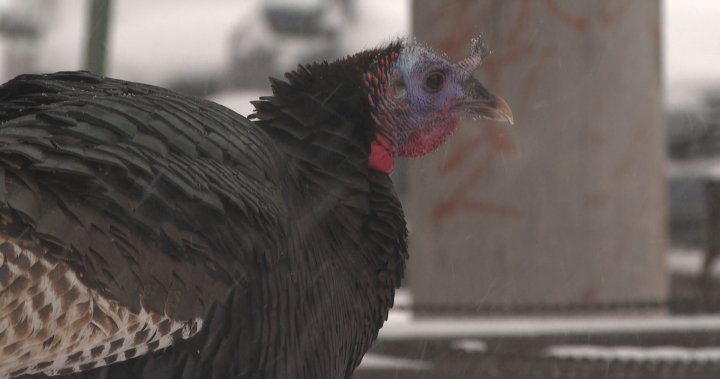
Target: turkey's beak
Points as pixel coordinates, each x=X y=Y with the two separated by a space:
x=481 y=103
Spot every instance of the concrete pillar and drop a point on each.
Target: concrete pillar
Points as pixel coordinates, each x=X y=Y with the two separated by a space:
x=567 y=206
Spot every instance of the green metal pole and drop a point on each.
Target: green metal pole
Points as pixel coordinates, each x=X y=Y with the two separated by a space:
x=97 y=41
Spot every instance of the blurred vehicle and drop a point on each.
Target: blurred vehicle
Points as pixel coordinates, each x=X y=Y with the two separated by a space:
x=303 y=16
x=289 y=31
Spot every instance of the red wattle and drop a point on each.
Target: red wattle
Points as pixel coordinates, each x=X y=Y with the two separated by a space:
x=380 y=158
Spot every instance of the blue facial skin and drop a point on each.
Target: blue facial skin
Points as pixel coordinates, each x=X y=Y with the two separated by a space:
x=425 y=96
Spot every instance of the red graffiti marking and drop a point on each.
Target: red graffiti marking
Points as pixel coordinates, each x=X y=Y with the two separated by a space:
x=460 y=151
x=458 y=198
x=597 y=199
x=579 y=23
x=494 y=135
x=533 y=75
x=473 y=156
x=610 y=16
x=520 y=24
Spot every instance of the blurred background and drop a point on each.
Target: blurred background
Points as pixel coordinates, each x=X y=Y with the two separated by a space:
x=579 y=243
x=219 y=48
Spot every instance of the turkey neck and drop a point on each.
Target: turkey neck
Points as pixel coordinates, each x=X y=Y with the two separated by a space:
x=320 y=118
x=348 y=223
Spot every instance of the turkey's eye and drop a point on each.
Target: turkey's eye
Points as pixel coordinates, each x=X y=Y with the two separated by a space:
x=434 y=81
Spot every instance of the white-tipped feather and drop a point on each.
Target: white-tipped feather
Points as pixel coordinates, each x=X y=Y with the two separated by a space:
x=70 y=327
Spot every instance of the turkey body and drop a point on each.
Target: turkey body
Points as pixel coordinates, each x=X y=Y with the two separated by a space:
x=150 y=234
x=144 y=233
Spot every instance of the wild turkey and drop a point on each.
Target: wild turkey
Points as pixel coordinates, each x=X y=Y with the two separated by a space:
x=150 y=234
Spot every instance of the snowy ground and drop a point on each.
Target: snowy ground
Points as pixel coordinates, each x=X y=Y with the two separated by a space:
x=546 y=326
x=635 y=353
x=469 y=335
x=407 y=346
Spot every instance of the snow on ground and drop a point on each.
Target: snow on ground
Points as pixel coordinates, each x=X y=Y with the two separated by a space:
x=401 y=312
x=689 y=262
x=634 y=353
x=469 y=345
x=384 y=362
x=546 y=326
